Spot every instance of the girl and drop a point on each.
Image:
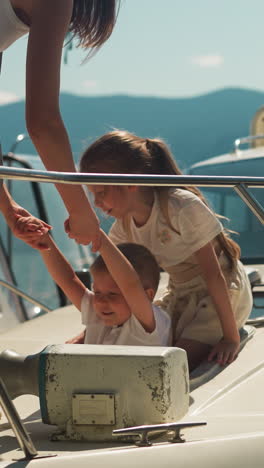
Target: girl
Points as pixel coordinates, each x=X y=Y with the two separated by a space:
x=208 y=295
x=47 y=23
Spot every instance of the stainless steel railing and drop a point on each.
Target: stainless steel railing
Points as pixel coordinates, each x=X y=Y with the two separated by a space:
x=240 y=184
x=15 y=422
x=22 y=294
x=125 y=179
x=248 y=139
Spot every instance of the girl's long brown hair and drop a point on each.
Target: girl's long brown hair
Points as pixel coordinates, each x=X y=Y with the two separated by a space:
x=121 y=152
x=93 y=21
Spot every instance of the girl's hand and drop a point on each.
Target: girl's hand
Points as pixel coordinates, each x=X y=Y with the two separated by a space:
x=84 y=229
x=224 y=351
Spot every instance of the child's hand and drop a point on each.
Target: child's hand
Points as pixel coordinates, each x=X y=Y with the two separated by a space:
x=224 y=351
x=28 y=228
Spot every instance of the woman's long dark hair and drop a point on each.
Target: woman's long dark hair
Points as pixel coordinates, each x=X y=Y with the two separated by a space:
x=93 y=21
x=121 y=152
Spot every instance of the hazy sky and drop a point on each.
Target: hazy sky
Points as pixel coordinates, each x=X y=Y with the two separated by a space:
x=162 y=48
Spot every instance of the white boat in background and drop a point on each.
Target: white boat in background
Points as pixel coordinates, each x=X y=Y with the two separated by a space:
x=245 y=163
x=82 y=405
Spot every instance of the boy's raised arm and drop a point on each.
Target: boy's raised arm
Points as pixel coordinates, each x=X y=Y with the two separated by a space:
x=128 y=282
x=62 y=272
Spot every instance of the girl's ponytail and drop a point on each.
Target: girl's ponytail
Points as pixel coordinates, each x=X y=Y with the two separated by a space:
x=161 y=157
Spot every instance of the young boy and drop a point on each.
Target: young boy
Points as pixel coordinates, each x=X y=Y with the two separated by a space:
x=119 y=310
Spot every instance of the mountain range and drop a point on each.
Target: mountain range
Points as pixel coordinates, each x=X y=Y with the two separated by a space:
x=196 y=128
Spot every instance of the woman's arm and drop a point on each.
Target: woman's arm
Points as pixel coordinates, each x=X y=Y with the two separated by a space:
x=50 y=23
x=128 y=282
x=227 y=349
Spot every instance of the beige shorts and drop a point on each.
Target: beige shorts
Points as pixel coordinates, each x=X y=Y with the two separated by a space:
x=192 y=312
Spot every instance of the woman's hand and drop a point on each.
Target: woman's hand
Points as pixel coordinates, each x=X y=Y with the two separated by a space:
x=84 y=228
x=224 y=351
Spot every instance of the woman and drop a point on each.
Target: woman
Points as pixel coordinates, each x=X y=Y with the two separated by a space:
x=47 y=23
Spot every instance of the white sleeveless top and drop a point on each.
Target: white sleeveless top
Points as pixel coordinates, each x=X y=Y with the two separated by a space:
x=11 y=27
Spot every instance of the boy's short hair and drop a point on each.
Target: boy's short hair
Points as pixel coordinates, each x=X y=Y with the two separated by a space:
x=142 y=260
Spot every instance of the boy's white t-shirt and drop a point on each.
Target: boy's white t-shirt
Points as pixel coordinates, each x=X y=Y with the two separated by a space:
x=130 y=333
x=194 y=226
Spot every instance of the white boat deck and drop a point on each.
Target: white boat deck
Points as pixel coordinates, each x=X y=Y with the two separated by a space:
x=216 y=402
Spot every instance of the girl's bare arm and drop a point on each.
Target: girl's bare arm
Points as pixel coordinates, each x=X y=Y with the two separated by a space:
x=227 y=348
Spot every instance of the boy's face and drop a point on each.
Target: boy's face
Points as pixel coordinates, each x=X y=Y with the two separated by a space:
x=109 y=303
x=113 y=200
